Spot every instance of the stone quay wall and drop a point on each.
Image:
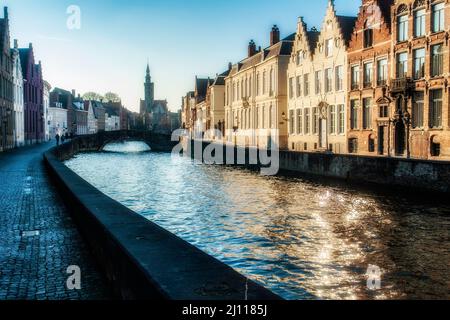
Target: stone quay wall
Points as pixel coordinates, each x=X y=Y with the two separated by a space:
x=418 y=175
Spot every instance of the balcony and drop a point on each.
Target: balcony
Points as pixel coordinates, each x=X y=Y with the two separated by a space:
x=400 y=85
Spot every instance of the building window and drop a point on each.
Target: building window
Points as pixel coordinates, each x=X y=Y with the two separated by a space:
x=368 y=75
x=264 y=83
x=333 y=117
x=299 y=121
x=438 y=17
x=353 y=145
x=329 y=47
x=367 y=113
x=318 y=82
x=419 y=63
x=371 y=144
x=291 y=88
x=384 y=111
x=272 y=82
x=339 y=78
x=437 y=60
x=354 y=106
x=402 y=28
x=299 y=86
x=328 y=80
x=355 y=77
x=307 y=121
x=258 y=90
x=306 y=84
x=382 y=72
x=299 y=57
x=291 y=122
x=419 y=23
x=435 y=149
x=402 y=65
x=315 y=124
x=417 y=109
x=341 y=119
x=368 y=35
x=436 y=108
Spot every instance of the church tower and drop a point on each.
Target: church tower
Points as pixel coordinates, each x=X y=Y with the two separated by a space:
x=149 y=91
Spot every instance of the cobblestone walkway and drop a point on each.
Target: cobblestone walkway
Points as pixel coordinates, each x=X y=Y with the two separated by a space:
x=33 y=266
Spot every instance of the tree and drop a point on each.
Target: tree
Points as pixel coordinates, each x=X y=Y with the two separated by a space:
x=92 y=96
x=112 y=97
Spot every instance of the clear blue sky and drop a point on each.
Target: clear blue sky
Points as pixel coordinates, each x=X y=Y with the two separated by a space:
x=180 y=38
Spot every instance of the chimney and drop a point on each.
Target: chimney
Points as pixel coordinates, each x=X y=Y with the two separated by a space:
x=5 y=12
x=73 y=93
x=251 y=48
x=274 y=35
x=230 y=65
x=16 y=44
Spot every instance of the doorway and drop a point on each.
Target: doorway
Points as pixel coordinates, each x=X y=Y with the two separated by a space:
x=381 y=140
x=400 y=138
x=323 y=133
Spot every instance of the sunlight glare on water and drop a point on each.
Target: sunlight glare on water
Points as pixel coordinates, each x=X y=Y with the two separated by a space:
x=302 y=239
x=126 y=147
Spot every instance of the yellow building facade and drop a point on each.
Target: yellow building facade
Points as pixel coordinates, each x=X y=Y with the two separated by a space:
x=256 y=96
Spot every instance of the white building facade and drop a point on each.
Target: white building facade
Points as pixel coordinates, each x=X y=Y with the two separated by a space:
x=19 y=133
x=92 y=120
x=317 y=85
x=57 y=119
x=46 y=102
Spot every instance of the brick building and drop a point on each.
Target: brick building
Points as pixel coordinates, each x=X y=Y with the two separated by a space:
x=420 y=79
x=369 y=66
x=33 y=96
x=6 y=86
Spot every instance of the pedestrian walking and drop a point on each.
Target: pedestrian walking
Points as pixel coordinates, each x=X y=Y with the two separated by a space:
x=57 y=139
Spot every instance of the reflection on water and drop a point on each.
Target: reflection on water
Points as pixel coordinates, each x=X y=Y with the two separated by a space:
x=127 y=147
x=301 y=239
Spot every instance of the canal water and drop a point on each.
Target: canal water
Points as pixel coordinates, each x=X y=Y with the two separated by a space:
x=301 y=238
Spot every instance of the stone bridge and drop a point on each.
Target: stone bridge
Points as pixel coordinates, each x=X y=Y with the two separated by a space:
x=96 y=142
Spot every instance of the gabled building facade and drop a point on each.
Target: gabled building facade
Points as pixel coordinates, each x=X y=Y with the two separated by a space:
x=215 y=107
x=200 y=109
x=46 y=103
x=369 y=67
x=419 y=88
x=19 y=131
x=6 y=86
x=317 y=85
x=33 y=96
